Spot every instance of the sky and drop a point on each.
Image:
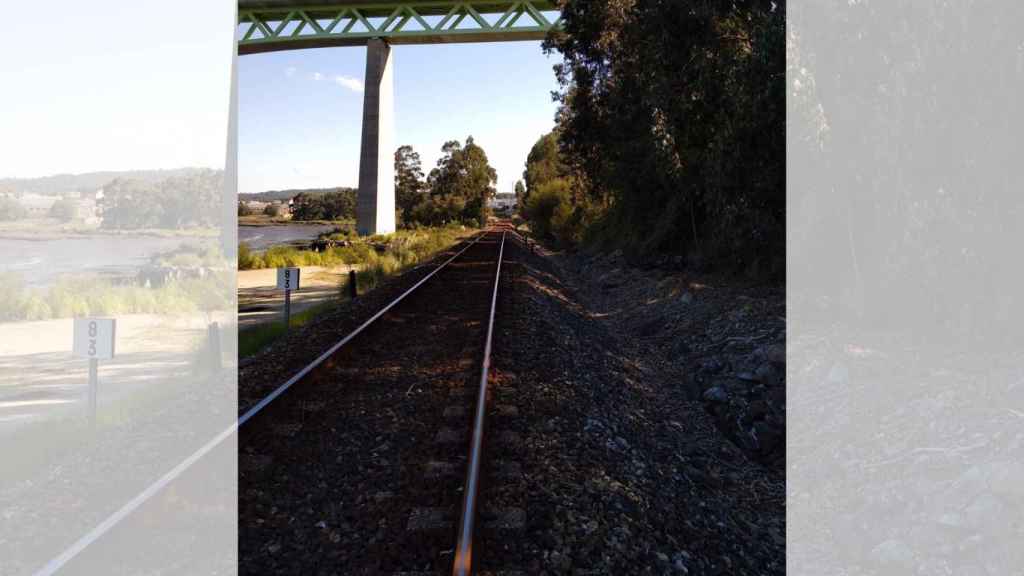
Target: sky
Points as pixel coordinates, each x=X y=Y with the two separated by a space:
x=114 y=85
x=300 y=111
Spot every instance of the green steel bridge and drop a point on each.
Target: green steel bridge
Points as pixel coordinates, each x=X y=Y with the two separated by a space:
x=273 y=25
x=267 y=25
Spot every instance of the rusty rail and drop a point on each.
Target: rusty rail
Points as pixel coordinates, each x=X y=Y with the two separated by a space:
x=59 y=561
x=463 y=563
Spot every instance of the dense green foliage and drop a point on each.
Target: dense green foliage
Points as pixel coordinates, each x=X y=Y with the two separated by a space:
x=550 y=211
x=275 y=210
x=336 y=204
x=438 y=211
x=544 y=163
x=457 y=190
x=408 y=246
x=403 y=250
x=464 y=173
x=905 y=207
x=187 y=201
x=285 y=256
x=409 y=184
x=672 y=127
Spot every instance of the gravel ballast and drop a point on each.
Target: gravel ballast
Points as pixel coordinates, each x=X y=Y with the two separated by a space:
x=625 y=471
x=602 y=457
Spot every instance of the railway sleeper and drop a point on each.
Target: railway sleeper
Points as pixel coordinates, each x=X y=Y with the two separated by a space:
x=421 y=519
x=503 y=519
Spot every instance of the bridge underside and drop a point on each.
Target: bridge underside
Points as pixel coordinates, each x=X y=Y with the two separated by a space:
x=270 y=25
x=273 y=25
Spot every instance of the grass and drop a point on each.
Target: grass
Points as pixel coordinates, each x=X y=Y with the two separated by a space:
x=264 y=220
x=378 y=258
x=87 y=296
x=405 y=245
x=402 y=251
x=252 y=340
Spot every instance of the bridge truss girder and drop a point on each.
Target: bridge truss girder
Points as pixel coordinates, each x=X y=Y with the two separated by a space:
x=284 y=27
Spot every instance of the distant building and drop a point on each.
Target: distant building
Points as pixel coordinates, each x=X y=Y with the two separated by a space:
x=37 y=205
x=255 y=206
x=86 y=205
x=502 y=201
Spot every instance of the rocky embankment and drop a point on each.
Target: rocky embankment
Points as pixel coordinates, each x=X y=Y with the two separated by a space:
x=721 y=341
x=626 y=467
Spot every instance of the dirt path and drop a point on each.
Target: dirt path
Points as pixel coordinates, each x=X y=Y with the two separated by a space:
x=259 y=301
x=51 y=383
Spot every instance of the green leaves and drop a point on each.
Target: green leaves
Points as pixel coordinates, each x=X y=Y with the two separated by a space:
x=459 y=186
x=177 y=202
x=673 y=119
x=339 y=204
x=409 y=184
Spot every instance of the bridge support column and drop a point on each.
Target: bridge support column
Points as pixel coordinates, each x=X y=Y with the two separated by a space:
x=375 y=204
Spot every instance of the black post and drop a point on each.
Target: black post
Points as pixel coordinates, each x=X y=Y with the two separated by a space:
x=352 y=291
x=214 y=337
x=287 y=309
x=93 y=386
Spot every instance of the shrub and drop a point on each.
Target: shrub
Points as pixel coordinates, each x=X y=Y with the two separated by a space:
x=12 y=296
x=64 y=210
x=247 y=260
x=273 y=210
x=550 y=212
x=11 y=209
x=35 y=308
x=374 y=274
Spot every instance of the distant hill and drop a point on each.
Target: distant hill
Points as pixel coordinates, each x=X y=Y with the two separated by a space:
x=61 y=183
x=272 y=195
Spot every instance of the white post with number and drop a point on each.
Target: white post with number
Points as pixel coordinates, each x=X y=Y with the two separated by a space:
x=94 y=339
x=287 y=280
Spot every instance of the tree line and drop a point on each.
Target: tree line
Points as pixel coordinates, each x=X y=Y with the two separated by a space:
x=905 y=209
x=456 y=190
x=670 y=133
x=334 y=204
x=184 y=201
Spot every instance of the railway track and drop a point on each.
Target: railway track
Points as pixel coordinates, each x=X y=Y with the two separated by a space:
x=371 y=460
x=375 y=439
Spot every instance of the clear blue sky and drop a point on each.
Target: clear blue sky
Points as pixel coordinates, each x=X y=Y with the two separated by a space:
x=114 y=85
x=299 y=111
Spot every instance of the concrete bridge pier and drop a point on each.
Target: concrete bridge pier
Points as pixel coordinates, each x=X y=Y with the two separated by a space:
x=375 y=203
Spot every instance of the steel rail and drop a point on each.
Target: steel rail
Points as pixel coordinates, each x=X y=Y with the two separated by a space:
x=330 y=351
x=59 y=561
x=463 y=562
